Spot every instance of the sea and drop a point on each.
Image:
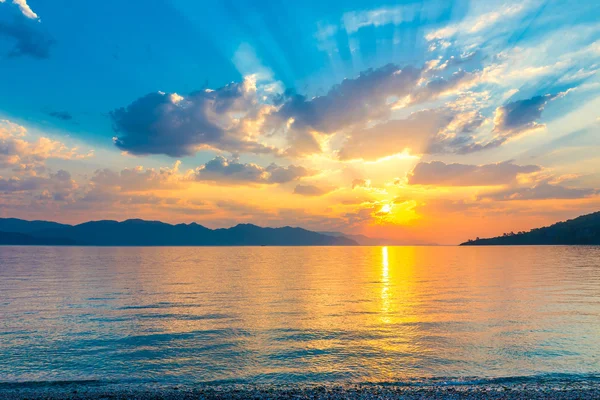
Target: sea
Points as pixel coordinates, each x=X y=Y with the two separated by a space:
x=287 y=315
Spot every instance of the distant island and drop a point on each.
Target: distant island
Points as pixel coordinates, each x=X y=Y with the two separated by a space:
x=137 y=232
x=584 y=230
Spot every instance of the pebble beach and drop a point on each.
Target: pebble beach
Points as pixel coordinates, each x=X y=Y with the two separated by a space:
x=530 y=390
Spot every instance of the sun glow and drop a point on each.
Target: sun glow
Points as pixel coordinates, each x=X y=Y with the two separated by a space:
x=396 y=213
x=386 y=209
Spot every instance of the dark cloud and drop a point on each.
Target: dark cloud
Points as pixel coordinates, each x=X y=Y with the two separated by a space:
x=311 y=190
x=221 y=170
x=352 y=101
x=28 y=35
x=521 y=115
x=541 y=191
x=64 y=115
x=161 y=123
x=442 y=174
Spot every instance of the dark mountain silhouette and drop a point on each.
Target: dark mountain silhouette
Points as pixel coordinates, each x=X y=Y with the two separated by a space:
x=136 y=232
x=23 y=239
x=22 y=226
x=584 y=230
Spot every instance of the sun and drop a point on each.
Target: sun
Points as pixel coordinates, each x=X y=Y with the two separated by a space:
x=396 y=213
x=386 y=209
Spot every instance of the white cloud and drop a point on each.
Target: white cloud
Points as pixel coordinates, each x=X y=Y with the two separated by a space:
x=18 y=152
x=24 y=7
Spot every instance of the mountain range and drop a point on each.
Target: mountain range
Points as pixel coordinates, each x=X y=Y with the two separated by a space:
x=136 y=232
x=583 y=230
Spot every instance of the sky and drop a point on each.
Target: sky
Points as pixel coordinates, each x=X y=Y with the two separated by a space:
x=427 y=121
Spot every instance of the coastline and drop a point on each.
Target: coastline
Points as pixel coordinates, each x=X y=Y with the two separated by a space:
x=559 y=389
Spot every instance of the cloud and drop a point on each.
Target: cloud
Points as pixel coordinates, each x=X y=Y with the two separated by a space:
x=16 y=184
x=353 y=101
x=416 y=133
x=358 y=183
x=423 y=132
x=521 y=115
x=29 y=39
x=19 y=153
x=174 y=125
x=511 y=120
x=138 y=178
x=311 y=190
x=441 y=174
x=56 y=186
x=356 y=102
x=130 y=186
x=110 y=199
x=440 y=86
x=64 y=115
x=24 y=7
x=541 y=191
x=221 y=170
x=239 y=118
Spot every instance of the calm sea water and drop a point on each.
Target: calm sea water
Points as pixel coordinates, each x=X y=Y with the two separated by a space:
x=297 y=314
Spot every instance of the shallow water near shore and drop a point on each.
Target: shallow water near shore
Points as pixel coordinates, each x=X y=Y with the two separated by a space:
x=309 y=315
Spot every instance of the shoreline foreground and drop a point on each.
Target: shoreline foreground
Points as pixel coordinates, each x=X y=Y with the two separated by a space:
x=564 y=389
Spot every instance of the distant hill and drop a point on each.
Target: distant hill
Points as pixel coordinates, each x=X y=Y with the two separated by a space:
x=22 y=226
x=136 y=232
x=584 y=230
x=23 y=239
x=363 y=240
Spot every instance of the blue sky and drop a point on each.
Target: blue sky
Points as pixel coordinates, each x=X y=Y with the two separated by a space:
x=305 y=84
